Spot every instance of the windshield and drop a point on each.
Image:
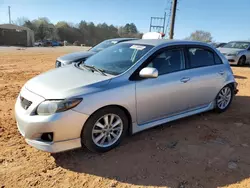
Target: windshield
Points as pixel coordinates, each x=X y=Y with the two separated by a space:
x=103 y=45
x=239 y=45
x=118 y=58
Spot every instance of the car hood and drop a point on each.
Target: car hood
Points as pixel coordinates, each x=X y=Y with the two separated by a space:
x=229 y=50
x=66 y=82
x=68 y=58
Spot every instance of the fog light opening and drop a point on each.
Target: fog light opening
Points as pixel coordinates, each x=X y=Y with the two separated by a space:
x=48 y=137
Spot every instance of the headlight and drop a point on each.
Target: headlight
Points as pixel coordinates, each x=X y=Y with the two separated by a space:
x=49 y=107
x=58 y=64
x=233 y=54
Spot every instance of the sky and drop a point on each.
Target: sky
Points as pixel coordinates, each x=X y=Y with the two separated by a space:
x=226 y=20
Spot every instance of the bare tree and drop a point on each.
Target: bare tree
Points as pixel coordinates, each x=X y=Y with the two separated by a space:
x=200 y=35
x=20 y=21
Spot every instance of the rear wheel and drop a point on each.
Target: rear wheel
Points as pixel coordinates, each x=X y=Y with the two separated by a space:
x=242 y=61
x=224 y=99
x=105 y=129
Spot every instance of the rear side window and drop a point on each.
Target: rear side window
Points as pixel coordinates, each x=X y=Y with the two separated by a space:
x=217 y=59
x=200 y=57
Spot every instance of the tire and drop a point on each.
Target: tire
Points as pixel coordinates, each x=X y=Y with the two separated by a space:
x=88 y=136
x=242 y=61
x=219 y=99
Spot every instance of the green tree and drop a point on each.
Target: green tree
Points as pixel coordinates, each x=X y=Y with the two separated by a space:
x=84 y=32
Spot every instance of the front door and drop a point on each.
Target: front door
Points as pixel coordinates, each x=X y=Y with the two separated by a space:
x=167 y=94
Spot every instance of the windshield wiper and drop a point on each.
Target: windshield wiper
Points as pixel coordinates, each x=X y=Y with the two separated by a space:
x=95 y=68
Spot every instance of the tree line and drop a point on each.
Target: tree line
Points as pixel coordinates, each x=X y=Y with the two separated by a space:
x=89 y=33
x=84 y=32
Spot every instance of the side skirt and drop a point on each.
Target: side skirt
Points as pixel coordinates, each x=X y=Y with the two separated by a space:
x=137 y=128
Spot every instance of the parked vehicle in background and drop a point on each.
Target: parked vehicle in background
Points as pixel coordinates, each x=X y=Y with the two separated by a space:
x=38 y=43
x=217 y=44
x=153 y=35
x=131 y=86
x=47 y=43
x=82 y=56
x=55 y=43
x=237 y=52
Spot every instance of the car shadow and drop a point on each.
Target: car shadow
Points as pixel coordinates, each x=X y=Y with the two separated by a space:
x=240 y=77
x=246 y=65
x=204 y=150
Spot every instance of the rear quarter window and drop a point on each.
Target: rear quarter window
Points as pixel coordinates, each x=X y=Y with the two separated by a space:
x=217 y=59
x=200 y=57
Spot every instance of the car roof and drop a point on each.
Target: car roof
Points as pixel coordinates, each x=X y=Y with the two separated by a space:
x=158 y=42
x=121 y=39
x=240 y=41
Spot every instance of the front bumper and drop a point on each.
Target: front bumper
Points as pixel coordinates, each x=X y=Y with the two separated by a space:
x=65 y=126
x=236 y=91
x=233 y=60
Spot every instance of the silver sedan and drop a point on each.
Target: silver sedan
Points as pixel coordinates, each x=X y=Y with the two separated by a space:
x=129 y=87
x=237 y=52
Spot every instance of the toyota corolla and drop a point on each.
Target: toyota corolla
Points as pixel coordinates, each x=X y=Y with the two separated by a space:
x=126 y=88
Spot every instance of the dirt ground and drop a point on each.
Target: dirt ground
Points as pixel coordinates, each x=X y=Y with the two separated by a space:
x=207 y=150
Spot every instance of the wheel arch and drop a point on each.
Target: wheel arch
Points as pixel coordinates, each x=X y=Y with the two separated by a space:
x=125 y=110
x=231 y=84
x=243 y=55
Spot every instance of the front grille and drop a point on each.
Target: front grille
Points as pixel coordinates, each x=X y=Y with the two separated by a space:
x=25 y=103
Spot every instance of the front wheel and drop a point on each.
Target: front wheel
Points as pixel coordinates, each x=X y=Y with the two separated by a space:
x=105 y=129
x=242 y=61
x=224 y=99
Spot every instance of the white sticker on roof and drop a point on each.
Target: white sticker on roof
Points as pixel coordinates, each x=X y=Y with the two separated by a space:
x=138 y=47
x=114 y=42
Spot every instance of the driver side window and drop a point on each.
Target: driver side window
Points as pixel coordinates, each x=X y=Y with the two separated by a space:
x=168 y=61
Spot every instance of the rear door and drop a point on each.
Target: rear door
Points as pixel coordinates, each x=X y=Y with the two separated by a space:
x=207 y=75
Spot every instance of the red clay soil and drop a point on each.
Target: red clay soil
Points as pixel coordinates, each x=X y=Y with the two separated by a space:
x=203 y=151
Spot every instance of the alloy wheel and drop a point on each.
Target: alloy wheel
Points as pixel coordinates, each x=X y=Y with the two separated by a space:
x=107 y=130
x=224 y=98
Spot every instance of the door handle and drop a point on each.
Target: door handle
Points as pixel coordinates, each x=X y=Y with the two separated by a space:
x=221 y=72
x=185 y=79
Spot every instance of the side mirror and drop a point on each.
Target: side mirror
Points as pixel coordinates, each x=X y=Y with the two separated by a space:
x=149 y=72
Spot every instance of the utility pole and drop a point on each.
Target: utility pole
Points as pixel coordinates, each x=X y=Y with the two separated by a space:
x=173 y=11
x=9 y=15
